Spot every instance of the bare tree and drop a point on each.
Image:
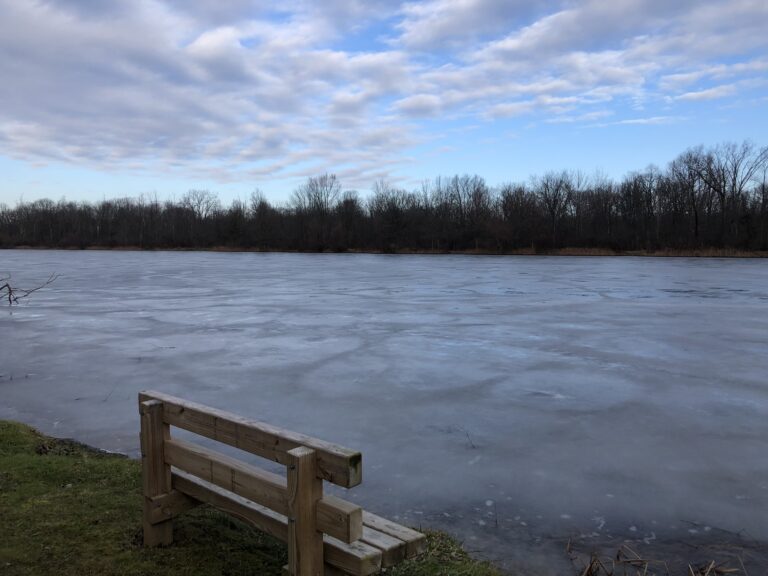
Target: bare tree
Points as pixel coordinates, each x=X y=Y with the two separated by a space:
x=258 y=202
x=350 y=216
x=706 y=198
x=518 y=212
x=202 y=202
x=686 y=173
x=313 y=203
x=743 y=164
x=762 y=200
x=318 y=195
x=727 y=170
x=554 y=190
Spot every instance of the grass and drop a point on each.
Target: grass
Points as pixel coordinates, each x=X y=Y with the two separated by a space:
x=71 y=510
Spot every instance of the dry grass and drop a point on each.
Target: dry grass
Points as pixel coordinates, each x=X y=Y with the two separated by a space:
x=628 y=562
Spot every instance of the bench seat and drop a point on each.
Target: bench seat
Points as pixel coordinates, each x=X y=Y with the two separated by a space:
x=384 y=543
x=323 y=533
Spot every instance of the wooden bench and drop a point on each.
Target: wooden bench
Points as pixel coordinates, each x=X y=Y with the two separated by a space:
x=325 y=534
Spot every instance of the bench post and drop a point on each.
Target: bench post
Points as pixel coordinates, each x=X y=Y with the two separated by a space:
x=305 y=489
x=155 y=473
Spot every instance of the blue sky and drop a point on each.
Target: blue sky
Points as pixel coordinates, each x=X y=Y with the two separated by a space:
x=154 y=97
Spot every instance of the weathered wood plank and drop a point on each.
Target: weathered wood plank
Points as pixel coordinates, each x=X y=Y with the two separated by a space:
x=156 y=474
x=318 y=527
x=250 y=482
x=357 y=558
x=393 y=549
x=336 y=464
x=335 y=517
x=260 y=517
x=305 y=543
x=415 y=542
x=339 y=518
x=168 y=506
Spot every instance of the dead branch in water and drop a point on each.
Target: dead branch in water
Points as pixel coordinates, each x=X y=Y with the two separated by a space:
x=13 y=293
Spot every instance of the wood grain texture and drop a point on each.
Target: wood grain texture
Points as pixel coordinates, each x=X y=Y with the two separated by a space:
x=415 y=542
x=357 y=558
x=305 y=542
x=250 y=482
x=392 y=549
x=168 y=506
x=340 y=519
x=156 y=474
x=257 y=516
x=335 y=516
x=336 y=464
x=325 y=534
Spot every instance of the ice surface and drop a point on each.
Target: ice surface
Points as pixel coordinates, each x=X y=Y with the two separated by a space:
x=603 y=398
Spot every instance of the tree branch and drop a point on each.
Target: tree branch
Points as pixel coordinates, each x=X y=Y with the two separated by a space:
x=13 y=293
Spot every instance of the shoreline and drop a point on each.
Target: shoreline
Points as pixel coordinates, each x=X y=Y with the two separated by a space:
x=71 y=504
x=114 y=484
x=717 y=253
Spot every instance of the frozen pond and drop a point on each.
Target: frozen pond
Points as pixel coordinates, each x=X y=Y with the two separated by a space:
x=516 y=402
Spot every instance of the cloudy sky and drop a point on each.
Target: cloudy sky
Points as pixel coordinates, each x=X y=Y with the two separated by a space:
x=127 y=97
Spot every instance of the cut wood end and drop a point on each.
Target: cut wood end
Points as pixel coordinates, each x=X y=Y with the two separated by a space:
x=301 y=452
x=146 y=405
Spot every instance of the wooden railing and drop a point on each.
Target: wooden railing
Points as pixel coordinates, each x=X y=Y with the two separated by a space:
x=325 y=534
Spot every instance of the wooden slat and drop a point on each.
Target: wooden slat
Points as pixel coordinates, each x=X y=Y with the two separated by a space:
x=415 y=542
x=335 y=517
x=336 y=464
x=392 y=549
x=339 y=518
x=229 y=473
x=168 y=506
x=156 y=474
x=357 y=558
x=305 y=543
x=261 y=498
x=260 y=517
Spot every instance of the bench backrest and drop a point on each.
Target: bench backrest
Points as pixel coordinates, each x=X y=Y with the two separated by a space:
x=291 y=507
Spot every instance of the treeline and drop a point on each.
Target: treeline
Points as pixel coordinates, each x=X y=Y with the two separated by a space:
x=705 y=198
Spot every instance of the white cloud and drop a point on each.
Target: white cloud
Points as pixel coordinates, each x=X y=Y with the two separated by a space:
x=677 y=81
x=510 y=109
x=87 y=91
x=585 y=117
x=649 y=121
x=420 y=105
x=440 y=23
x=242 y=89
x=708 y=94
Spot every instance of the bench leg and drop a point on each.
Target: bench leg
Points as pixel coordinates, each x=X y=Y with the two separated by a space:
x=305 y=543
x=155 y=473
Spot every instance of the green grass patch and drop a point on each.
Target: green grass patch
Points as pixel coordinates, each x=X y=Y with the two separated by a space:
x=71 y=510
